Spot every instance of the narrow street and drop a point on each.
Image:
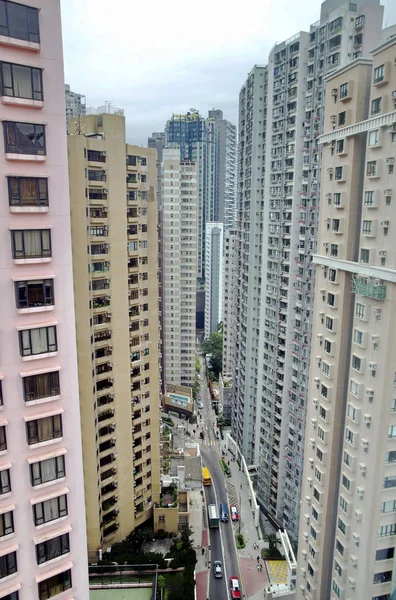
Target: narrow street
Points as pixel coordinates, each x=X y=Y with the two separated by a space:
x=221 y=540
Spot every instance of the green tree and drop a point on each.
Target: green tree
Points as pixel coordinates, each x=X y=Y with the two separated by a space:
x=213 y=345
x=161 y=585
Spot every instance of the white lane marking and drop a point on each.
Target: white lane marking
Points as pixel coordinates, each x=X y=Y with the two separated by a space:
x=222 y=547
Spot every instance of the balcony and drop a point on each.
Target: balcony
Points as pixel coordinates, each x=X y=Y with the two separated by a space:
x=369 y=288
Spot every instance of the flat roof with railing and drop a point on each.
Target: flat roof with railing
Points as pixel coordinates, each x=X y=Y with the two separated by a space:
x=126 y=582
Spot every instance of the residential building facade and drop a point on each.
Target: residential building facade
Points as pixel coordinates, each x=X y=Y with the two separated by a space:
x=226 y=170
x=280 y=160
x=75 y=104
x=42 y=533
x=347 y=532
x=229 y=290
x=115 y=248
x=213 y=277
x=180 y=200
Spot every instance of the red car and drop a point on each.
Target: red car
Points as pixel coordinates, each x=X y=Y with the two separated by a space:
x=235 y=588
x=234 y=513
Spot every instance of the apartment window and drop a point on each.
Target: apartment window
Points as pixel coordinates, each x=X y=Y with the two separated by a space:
x=393 y=405
x=3 y=438
x=364 y=255
x=376 y=106
x=43 y=430
x=379 y=74
x=50 y=510
x=367 y=227
x=131 y=160
x=385 y=553
x=342 y=118
x=5 y=482
x=383 y=577
x=337 y=199
x=337 y=568
x=34 y=293
x=31 y=243
x=8 y=564
x=6 y=523
x=339 y=547
x=373 y=137
x=358 y=337
x=360 y=310
x=318 y=474
x=392 y=431
x=52 y=548
x=47 y=470
x=371 y=169
x=41 y=340
x=319 y=454
x=343 y=90
x=346 y=482
x=389 y=506
x=340 y=146
x=351 y=412
x=325 y=369
x=24 y=138
x=336 y=589
x=369 y=198
x=390 y=457
x=19 y=21
x=356 y=363
x=55 y=585
x=349 y=436
x=387 y=530
x=39 y=386
x=329 y=323
x=27 y=191
x=324 y=391
x=347 y=458
x=334 y=249
x=330 y=299
x=389 y=482
x=21 y=81
x=338 y=173
x=327 y=346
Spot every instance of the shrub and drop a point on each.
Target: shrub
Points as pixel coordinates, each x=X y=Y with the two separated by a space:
x=240 y=541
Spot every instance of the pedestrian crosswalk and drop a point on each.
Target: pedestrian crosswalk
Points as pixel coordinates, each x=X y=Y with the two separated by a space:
x=208 y=443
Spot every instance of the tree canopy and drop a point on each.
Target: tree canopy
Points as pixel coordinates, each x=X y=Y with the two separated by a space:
x=213 y=345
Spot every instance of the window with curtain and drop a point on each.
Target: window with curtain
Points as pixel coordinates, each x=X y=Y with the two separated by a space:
x=55 y=585
x=24 y=138
x=53 y=548
x=6 y=523
x=47 y=470
x=49 y=510
x=21 y=81
x=3 y=438
x=27 y=191
x=5 y=481
x=8 y=564
x=43 y=385
x=31 y=243
x=42 y=430
x=40 y=340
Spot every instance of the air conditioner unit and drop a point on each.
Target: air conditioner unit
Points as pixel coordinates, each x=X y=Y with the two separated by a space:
x=392 y=127
x=372 y=366
x=308 y=499
x=317 y=380
x=365 y=444
x=356 y=538
x=367 y=419
x=388 y=192
x=305 y=554
x=382 y=253
x=352 y=582
x=319 y=359
x=306 y=517
x=328 y=195
x=106 y=191
x=370 y=393
x=375 y=338
x=390 y=161
x=393 y=94
x=311 y=461
x=353 y=560
x=302 y=589
x=384 y=223
x=309 y=481
x=334 y=92
x=312 y=442
x=325 y=244
x=111 y=364
x=362 y=468
x=315 y=402
x=358 y=515
x=329 y=171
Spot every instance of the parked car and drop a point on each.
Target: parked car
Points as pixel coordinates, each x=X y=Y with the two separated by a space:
x=234 y=513
x=235 y=588
x=199 y=404
x=217 y=569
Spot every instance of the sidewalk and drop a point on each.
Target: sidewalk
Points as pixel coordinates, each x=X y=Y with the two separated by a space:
x=238 y=494
x=200 y=541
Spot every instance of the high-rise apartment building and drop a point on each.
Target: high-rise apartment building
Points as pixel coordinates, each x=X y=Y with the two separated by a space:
x=75 y=104
x=279 y=160
x=42 y=532
x=347 y=526
x=213 y=277
x=230 y=277
x=179 y=266
x=114 y=232
x=226 y=169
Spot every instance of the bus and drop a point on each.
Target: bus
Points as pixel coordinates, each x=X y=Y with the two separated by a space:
x=206 y=478
x=213 y=516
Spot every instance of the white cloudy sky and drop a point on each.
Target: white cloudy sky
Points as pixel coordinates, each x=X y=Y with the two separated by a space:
x=155 y=58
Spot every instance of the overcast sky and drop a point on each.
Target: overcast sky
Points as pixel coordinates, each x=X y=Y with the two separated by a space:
x=156 y=58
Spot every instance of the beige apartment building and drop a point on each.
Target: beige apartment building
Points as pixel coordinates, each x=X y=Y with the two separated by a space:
x=114 y=233
x=179 y=266
x=347 y=524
